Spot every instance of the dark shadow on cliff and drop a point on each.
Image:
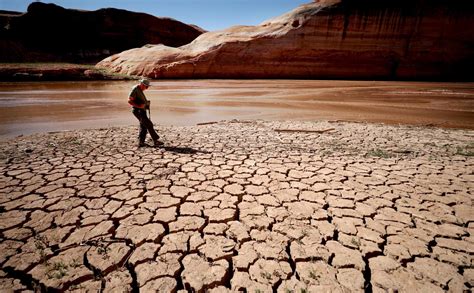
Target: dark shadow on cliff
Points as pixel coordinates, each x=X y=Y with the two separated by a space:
x=51 y=33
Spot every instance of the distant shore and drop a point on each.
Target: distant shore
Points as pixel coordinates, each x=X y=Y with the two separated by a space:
x=64 y=71
x=55 y=71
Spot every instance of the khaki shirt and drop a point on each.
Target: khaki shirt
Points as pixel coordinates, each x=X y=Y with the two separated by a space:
x=138 y=95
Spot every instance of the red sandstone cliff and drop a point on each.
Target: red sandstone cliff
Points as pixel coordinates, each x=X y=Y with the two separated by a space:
x=363 y=39
x=47 y=32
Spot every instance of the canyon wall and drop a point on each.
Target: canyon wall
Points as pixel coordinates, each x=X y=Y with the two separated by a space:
x=364 y=39
x=47 y=32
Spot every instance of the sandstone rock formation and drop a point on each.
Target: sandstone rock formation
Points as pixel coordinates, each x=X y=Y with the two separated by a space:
x=47 y=32
x=368 y=39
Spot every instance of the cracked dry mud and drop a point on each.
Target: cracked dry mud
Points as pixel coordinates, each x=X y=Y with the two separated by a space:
x=237 y=205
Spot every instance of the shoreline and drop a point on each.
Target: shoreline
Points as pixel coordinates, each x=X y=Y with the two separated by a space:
x=65 y=71
x=10 y=137
x=55 y=71
x=299 y=129
x=241 y=204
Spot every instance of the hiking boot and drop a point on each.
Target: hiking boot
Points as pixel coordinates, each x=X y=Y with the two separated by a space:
x=158 y=143
x=141 y=144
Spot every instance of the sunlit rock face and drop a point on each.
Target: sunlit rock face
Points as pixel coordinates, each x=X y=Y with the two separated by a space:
x=364 y=39
x=47 y=32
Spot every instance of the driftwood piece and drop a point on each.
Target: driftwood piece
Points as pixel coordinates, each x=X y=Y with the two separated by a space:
x=241 y=121
x=304 y=130
x=207 y=123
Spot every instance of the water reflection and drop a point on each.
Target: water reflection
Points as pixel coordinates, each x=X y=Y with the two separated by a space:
x=29 y=107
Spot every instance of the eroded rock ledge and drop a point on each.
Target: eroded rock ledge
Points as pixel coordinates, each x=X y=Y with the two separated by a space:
x=346 y=39
x=236 y=205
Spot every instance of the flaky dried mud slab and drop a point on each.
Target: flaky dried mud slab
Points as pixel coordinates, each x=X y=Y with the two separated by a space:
x=230 y=206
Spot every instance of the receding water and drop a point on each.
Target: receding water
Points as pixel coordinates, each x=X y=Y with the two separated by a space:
x=29 y=107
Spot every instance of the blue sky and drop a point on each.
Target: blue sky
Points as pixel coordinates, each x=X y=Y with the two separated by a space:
x=208 y=14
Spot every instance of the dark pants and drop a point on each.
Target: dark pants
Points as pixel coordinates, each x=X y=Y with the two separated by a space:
x=145 y=125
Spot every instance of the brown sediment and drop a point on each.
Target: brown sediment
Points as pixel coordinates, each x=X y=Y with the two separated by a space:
x=35 y=107
x=236 y=206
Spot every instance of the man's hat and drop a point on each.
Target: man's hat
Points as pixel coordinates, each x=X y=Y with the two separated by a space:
x=145 y=81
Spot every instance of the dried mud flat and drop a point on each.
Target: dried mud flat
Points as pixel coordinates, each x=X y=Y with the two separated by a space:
x=236 y=205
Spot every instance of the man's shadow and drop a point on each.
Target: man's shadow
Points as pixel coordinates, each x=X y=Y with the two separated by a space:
x=180 y=150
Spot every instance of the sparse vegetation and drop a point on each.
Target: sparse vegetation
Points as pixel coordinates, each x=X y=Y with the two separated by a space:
x=75 y=264
x=355 y=242
x=112 y=75
x=41 y=243
x=313 y=275
x=327 y=153
x=57 y=270
x=266 y=275
x=467 y=151
x=103 y=250
x=42 y=65
x=57 y=71
x=378 y=153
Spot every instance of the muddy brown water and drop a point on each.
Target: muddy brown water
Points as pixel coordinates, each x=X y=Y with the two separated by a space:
x=31 y=107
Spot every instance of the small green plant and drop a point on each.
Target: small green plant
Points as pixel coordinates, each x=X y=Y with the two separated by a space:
x=378 y=153
x=327 y=153
x=313 y=275
x=266 y=275
x=41 y=243
x=102 y=249
x=76 y=142
x=355 y=242
x=304 y=290
x=75 y=264
x=57 y=270
x=467 y=151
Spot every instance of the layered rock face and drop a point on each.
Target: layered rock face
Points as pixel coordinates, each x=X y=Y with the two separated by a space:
x=365 y=39
x=47 y=32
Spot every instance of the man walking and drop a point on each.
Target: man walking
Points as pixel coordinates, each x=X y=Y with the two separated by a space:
x=140 y=104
